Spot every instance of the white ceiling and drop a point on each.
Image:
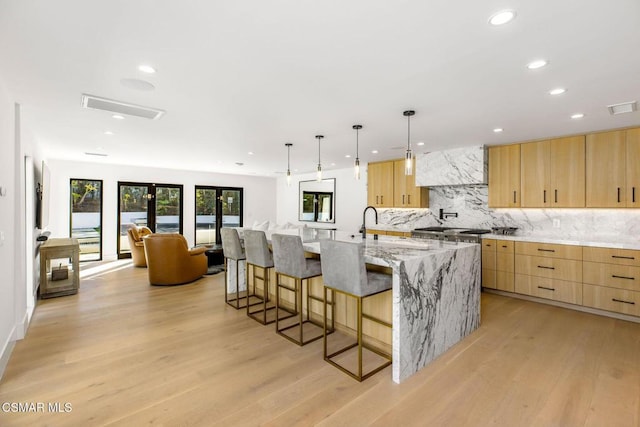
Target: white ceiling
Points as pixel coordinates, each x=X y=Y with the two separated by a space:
x=240 y=76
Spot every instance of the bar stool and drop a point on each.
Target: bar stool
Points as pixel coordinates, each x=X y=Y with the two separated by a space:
x=232 y=249
x=289 y=261
x=344 y=271
x=258 y=256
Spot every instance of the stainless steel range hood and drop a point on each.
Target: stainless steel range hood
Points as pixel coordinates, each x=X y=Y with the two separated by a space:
x=458 y=166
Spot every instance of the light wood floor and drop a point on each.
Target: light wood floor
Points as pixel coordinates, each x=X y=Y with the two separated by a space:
x=127 y=354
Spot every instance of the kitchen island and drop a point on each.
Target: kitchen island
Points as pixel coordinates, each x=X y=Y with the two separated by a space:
x=435 y=294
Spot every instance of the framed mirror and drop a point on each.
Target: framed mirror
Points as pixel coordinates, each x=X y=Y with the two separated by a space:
x=317 y=201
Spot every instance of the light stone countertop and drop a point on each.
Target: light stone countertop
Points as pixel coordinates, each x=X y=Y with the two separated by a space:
x=617 y=242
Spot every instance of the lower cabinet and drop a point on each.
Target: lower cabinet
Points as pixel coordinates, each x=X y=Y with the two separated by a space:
x=602 y=278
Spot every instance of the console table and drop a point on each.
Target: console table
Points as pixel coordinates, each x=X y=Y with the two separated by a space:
x=54 y=254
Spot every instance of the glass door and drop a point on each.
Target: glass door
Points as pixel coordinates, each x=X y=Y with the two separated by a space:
x=86 y=217
x=216 y=207
x=157 y=206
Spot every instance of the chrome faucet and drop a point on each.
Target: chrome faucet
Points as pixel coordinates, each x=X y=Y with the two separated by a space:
x=363 y=229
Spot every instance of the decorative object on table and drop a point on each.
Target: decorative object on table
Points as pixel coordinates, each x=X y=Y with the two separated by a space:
x=171 y=262
x=60 y=272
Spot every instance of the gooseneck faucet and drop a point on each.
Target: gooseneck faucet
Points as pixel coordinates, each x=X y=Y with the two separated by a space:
x=363 y=229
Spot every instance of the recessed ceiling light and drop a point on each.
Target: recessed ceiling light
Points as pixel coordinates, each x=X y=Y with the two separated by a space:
x=118 y=117
x=147 y=69
x=239 y=163
x=333 y=164
x=538 y=63
x=108 y=132
x=95 y=154
x=250 y=153
x=498 y=130
x=375 y=151
x=348 y=156
x=557 y=91
x=502 y=17
x=577 y=116
x=420 y=144
x=137 y=84
x=625 y=107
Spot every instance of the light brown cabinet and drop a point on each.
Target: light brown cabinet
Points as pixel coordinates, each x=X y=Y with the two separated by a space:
x=389 y=187
x=498 y=264
x=380 y=184
x=553 y=173
x=613 y=169
x=504 y=176
x=405 y=192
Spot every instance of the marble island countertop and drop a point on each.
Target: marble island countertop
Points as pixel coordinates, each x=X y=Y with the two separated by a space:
x=602 y=241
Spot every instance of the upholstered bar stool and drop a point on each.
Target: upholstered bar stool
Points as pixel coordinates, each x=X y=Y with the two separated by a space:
x=344 y=271
x=289 y=261
x=258 y=257
x=232 y=250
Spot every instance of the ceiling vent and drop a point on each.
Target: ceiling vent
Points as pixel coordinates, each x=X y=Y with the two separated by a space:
x=625 y=107
x=119 y=107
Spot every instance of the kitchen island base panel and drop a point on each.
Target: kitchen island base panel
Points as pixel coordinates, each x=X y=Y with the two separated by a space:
x=436 y=303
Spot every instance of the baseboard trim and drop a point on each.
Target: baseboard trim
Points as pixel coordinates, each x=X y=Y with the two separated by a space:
x=7 y=349
x=582 y=308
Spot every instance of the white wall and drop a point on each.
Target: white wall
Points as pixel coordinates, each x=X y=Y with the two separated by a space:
x=259 y=194
x=7 y=228
x=350 y=199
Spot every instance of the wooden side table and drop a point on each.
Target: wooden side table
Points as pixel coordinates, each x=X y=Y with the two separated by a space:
x=53 y=254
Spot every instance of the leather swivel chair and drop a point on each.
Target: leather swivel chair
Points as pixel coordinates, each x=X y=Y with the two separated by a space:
x=171 y=262
x=136 y=234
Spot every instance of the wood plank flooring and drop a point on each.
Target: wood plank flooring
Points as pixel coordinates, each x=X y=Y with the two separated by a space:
x=123 y=353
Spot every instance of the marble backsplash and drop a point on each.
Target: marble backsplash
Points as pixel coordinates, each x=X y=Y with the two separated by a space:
x=470 y=202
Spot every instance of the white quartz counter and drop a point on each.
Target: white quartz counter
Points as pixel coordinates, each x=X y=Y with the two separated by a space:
x=624 y=242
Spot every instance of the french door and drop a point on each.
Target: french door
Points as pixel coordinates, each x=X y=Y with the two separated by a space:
x=85 y=219
x=216 y=207
x=157 y=206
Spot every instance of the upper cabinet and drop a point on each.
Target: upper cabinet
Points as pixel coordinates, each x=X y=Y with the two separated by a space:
x=389 y=187
x=380 y=184
x=633 y=167
x=504 y=176
x=405 y=192
x=553 y=173
x=606 y=169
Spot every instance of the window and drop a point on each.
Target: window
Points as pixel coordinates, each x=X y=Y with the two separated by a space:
x=85 y=222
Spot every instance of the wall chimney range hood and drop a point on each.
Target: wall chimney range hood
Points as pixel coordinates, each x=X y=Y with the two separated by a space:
x=458 y=166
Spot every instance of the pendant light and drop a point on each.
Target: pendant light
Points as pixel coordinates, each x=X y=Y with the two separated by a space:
x=319 y=176
x=408 y=163
x=288 y=145
x=356 y=166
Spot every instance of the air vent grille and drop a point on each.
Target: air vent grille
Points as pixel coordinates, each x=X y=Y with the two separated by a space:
x=119 y=107
x=625 y=107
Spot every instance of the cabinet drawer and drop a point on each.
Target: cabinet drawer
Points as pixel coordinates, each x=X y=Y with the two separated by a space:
x=551 y=268
x=557 y=290
x=618 y=300
x=488 y=245
x=488 y=278
x=505 y=246
x=611 y=275
x=549 y=250
x=505 y=262
x=611 y=256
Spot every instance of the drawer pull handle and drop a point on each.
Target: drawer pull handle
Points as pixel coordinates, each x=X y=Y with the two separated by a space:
x=623 y=257
x=618 y=194
x=623 y=301
x=546 y=250
x=544 y=196
x=622 y=277
x=543 y=287
x=548 y=268
x=504 y=246
x=514 y=197
x=556 y=196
